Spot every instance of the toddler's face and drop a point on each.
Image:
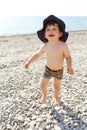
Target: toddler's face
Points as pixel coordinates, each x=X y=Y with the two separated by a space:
x=52 y=32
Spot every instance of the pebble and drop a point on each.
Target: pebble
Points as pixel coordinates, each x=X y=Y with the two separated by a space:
x=20 y=108
x=57 y=127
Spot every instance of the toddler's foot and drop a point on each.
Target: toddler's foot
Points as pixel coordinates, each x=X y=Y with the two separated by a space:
x=43 y=100
x=56 y=102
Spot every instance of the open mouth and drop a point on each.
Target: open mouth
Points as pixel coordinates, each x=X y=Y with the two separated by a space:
x=51 y=35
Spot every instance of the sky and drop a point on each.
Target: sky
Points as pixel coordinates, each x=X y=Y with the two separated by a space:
x=43 y=7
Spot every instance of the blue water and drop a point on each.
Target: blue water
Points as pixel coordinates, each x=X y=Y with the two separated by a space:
x=30 y=24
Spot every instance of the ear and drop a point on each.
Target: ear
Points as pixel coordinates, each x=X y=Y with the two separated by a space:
x=61 y=33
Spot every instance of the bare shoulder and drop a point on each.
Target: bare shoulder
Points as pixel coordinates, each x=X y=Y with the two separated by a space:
x=43 y=47
x=64 y=45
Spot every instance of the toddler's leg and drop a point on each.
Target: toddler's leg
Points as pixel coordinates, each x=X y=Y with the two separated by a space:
x=57 y=86
x=43 y=86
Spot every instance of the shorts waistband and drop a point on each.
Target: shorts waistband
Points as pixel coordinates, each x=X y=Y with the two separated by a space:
x=52 y=70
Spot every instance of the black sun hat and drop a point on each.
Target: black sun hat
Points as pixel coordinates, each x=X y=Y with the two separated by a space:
x=62 y=25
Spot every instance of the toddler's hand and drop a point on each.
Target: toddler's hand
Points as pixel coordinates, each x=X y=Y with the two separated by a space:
x=70 y=71
x=26 y=66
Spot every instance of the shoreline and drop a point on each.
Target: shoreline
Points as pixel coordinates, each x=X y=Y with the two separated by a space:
x=36 y=34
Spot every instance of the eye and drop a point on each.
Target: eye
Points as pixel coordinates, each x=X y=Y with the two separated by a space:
x=54 y=29
x=47 y=29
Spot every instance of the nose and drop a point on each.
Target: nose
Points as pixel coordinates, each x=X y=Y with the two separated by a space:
x=51 y=31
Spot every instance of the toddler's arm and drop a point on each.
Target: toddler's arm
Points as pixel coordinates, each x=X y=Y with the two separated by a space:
x=35 y=57
x=68 y=60
x=69 y=65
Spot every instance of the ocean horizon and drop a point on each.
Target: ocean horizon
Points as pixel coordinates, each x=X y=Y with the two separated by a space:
x=16 y=25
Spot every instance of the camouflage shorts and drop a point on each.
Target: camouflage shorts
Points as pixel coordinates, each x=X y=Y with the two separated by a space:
x=48 y=73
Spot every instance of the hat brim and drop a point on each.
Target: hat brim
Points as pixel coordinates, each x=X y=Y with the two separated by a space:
x=62 y=25
x=40 y=34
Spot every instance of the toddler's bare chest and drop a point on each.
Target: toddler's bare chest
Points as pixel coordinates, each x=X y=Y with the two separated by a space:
x=54 y=51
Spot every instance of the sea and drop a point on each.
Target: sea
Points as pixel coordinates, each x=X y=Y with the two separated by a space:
x=17 y=25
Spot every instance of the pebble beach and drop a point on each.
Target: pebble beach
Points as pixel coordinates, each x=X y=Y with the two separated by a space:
x=20 y=107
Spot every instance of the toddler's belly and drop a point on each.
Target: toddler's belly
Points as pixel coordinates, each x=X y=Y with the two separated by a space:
x=55 y=66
